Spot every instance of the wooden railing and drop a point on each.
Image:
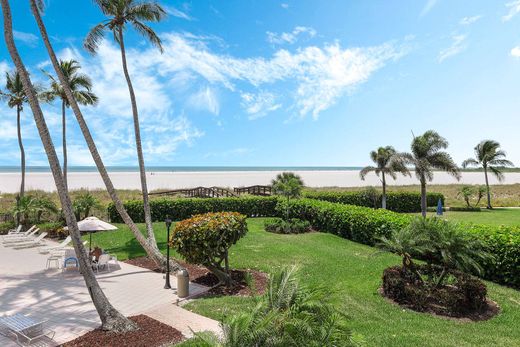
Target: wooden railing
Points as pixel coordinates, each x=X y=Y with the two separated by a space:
x=199 y=192
x=254 y=190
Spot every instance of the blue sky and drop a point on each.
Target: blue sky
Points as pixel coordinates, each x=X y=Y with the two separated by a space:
x=284 y=82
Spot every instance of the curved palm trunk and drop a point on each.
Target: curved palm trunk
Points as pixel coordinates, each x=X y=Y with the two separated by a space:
x=22 y=150
x=423 y=197
x=383 y=203
x=150 y=247
x=111 y=318
x=64 y=143
x=487 y=189
x=138 y=145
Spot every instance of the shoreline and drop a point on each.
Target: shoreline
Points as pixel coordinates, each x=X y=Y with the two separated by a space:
x=9 y=182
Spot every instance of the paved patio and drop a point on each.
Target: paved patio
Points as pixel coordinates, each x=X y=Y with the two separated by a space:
x=62 y=298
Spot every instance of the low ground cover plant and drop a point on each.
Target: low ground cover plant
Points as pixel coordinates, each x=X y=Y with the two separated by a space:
x=291 y=226
x=205 y=239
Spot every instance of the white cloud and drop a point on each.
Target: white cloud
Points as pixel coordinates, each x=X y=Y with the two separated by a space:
x=177 y=13
x=284 y=5
x=4 y=67
x=514 y=9
x=469 y=20
x=205 y=99
x=291 y=37
x=258 y=105
x=458 y=45
x=27 y=38
x=515 y=52
x=427 y=7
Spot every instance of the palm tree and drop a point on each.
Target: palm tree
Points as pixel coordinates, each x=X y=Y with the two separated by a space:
x=121 y=13
x=111 y=319
x=427 y=155
x=488 y=155
x=387 y=163
x=288 y=185
x=149 y=245
x=16 y=98
x=81 y=87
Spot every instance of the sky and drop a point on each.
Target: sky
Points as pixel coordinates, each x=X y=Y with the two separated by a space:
x=281 y=83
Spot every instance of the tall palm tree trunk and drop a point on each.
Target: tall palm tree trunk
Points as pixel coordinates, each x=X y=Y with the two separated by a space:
x=138 y=145
x=423 y=197
x=22 y=150
x=150 y=247
x=111 y=318
x=383 y=203
x=487 y=189
x=64 y=142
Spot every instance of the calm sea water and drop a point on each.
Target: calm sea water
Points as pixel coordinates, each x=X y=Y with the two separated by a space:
x=16 y=169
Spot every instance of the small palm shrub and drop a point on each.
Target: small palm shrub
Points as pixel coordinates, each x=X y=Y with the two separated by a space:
x=291 y=226
x=288 y=185
x=83 y=204
x=287 y=315
x=205 y=239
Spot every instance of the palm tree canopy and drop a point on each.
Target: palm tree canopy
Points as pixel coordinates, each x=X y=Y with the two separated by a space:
x=288 y=184
x=387 y=161
x=489 y=155
x=79 y=83
x=14 y=94
x=427 y=154
x=121 y=12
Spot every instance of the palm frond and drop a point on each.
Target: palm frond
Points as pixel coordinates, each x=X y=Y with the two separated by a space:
x=146 y=11
x=365 y=171
x=470 y=162
x=148 y=32
x=94 y=38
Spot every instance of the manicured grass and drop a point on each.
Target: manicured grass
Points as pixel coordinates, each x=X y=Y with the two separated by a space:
x=497 y=216
x=353 y=273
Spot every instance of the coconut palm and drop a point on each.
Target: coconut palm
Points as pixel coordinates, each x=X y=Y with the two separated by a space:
x=388 y=163
x=111 y=319
x=121 y=14
x=149 y=245
x=427 y=155
x=489 y=156
x=289 y=185
x=81 y=87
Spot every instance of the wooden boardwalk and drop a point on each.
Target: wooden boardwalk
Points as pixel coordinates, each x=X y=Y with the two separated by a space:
x=217 y=192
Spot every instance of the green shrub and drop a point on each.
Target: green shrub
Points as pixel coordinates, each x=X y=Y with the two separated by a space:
x=465 y=209
x=405 y=202
x=360 y=224
x=178 y=209
x=6 y=226
x=54 y=229
x=292 y=226
x=206 y=238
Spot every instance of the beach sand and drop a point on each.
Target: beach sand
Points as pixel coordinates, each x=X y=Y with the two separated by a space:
x=9 y=182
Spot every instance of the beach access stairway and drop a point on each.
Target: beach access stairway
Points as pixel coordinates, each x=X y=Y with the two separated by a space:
x=217 y=192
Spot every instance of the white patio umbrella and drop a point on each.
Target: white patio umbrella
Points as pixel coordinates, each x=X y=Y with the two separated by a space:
x=93 y=224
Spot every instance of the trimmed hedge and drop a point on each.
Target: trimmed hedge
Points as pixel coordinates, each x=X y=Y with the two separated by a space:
x=356 y=223
x=178 y=209
x=405 y=202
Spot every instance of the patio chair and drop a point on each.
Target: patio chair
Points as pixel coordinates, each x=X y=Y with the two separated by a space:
x=17 y=230
x=102 y=262
x=26 y=235
x=24 y=330
x=14 y=241
x=34 y=243
x=47 y=249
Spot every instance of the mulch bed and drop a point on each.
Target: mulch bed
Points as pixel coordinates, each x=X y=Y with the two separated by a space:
x=201 y=275
x=151 y=333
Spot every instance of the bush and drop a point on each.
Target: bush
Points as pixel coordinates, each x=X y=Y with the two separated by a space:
x=206 y=238
x=464 y=295
x=292 y=226
x=404 y=202
x=6 y=226
x=465 y=209
x=360 y=224
x=54 y=229
x=180 y=208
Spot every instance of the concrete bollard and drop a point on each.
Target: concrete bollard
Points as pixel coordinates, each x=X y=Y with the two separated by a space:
x=183 y=283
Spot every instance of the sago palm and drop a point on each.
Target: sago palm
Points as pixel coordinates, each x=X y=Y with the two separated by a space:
x=426 y=156
x=121 y=14
x=489 y=156
x=388 y=163
x=81 y=87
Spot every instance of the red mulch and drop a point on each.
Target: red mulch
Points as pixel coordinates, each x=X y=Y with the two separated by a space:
x=201 y=275
x=151 y=333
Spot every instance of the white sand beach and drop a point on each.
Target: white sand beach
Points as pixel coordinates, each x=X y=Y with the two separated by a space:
x=9 y=182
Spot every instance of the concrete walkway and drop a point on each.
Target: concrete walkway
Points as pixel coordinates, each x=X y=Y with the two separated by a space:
x=62 y=298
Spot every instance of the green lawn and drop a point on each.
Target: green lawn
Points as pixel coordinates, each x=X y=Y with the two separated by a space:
x=353 y=272
x=497 y=216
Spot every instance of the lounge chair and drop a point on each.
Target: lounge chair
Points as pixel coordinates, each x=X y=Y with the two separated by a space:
x=34 y=243
x=47 y=249
x=17 y=239
x=17 y=230
x=24 y=330
x=20 y=234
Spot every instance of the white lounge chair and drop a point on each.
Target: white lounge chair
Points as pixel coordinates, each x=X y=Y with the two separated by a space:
x=17 y=239
x=47 y=249
x=16 y=230
x=34 y=243
x=24 y=329
x=102 y=262
x=20 y=234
